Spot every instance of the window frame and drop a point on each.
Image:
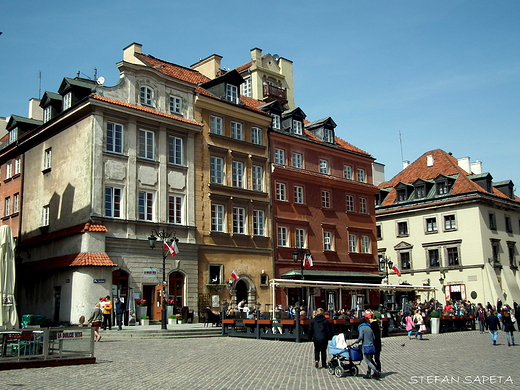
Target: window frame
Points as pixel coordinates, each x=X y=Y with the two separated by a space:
x=146 y=148
x=218 y=218
x=297 y=127
x=259 y=223
x=146 y=206
x=452 y=223
x=365 y=244
x=363 y=205
x=257 y=172
x=216 y=170
x=326 y=199
x=402 y=232
x=175 y=209
x=45 y=215
x=237 y=174
x=256 y=135
x=216 y=125
x=282 y=238
x=237 y=131
x=239 y=220
x=300 y=236
x=279 y=156
x=276 y=121
x=324 y=166
x=114 y=137
x=299 y=197
x=361 y=175
x=232 y=94
x=47 y=159
x=297 y=160
x=146 y=96
x=113 y=201
x=281 y=191
x=347 y=172
x=328 y=241
x=352 y=243
x=430 y=225
x=175 y=150
x=175 y=102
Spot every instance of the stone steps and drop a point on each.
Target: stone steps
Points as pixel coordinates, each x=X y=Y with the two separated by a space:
x=129 y=333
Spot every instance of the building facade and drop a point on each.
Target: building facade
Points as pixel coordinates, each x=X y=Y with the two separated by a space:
x=445 y=223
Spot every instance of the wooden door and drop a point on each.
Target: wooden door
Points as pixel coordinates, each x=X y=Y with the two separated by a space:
x=157 y=303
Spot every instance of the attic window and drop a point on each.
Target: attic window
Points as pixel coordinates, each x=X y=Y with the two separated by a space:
x=47 y=114
x=276 y=121
x=420 y=192
x=67 y=100
x=401 y=195
x=232 y=93
x=13 y=135
x=146 y=96
x=297 y=127
x=442 y=188
x=328 y=136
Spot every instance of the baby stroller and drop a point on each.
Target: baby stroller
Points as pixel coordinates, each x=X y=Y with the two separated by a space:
x=343 y=357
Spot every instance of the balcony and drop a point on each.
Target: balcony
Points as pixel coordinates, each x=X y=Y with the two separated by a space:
x=272 y=93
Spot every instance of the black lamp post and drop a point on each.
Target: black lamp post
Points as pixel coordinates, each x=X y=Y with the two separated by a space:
x=296 y=257
x=165 y=238
x=385 y=265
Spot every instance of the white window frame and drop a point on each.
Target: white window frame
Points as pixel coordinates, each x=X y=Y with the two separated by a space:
x=363 y=206
x=175 y=209
x=258 y=178
x=328 y=241
x=237 y=174
x=216 y=170
x=146 y=144
x=365 y=244
x=67 y=101
x=430 y=225
x=328 y=136
x=17 y=165
x=256 y=135
x=297 y=127
x=283 y=239
x=146 y=96
x=13 y=135
x=7 y=206
x=232 y=93
x=45 y=215
x=281 y=191
x=351 y=207
x=352 y=243
x=297 y=160
x=301 y=238
x=47 y=159
x=236 y=130
x=324 y=166
x=361 y=175
x=114 y=140
x=259 y=223
x=218 y=217
x=146 y=206
x=16 y=203
x=113 y=202
x=347 y=172
x=216 y=125
x=246 y=87
x=275 y=124
x=9 y=170
x=175 y=151
x=279 y=156
x=299 y=195
x=239 y=220
x=325 y=199
x=47 y=114
x=450 y=225
x=175 y=105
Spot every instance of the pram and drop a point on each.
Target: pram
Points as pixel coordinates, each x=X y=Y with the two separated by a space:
x=343 y=357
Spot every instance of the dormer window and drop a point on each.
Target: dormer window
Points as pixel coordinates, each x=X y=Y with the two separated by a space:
x=67 y=101
x=146 y=96
x=442 y=188
x=13 y=135
x=328 y=136
x=420 y=192
x=276 y=121
x=175 y=105
x=401 y=195
x=246 y=87
x=297 y=127
x=47 y=114
x=232 y=93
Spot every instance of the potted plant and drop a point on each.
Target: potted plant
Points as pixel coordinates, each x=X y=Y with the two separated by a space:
x=178 y=318
x=140 y=308
x=171 y=319
x=145 y=320
x=170 y=303
x=435 y=322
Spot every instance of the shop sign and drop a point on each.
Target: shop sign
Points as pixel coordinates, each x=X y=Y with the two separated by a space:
x=149 y=272
x=100 y=280
x=69 y=335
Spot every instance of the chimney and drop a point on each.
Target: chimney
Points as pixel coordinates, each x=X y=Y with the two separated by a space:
x=465 y=164
x=209 y=66
x=256 y=56
x=429 y=160
x=476 y=167
x=35 y=111
x=405 y=164
x=130 y=51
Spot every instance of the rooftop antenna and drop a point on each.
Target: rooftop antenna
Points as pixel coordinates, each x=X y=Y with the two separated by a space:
x=39 y=84
x=401 y=145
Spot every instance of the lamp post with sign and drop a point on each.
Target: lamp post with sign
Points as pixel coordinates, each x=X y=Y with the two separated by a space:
x=167 y=239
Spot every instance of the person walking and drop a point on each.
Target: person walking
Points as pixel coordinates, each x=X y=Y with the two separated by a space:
x=409 y=324
x=374 y=324
x=493 y=325
x=509 y=327
x=120 y=311
x=481 y=318
x=418 y=320
x=320 y=332
x=107 y=313
x=96 y=316
x=366 y=338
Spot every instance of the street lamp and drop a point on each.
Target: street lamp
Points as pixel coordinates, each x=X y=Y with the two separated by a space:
x=385 y=265
x=296 y=257
x=166 y=239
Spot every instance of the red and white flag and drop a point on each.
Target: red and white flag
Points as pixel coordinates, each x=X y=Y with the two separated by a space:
x=173 y=249
x=307 y=261
x=396 y=270
x=234 y=275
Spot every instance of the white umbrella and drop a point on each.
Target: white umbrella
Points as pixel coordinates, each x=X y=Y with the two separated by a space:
x=8 y=315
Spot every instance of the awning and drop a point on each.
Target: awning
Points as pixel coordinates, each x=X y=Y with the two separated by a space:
x=333 y=276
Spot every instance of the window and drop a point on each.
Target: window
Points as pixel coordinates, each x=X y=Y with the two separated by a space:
x=279 y=156
x=146 y=200
x=13 y=135
x=258 y=178
x=492 y=221
x=146 y=144
x=327 y=241
x=328 y=136
x=433 y=258
x=232 y=93
x=402 y=229
x=113 y=197
x=298 y=195
x=297 y=160
x=215 y=125
x=258 y=222
x=365 y=244
x=495 y=248
x=114 y=137
x=442 y=188
x=215 y=274
x=347 y=172
x=239 y=220
x=47 y=159
x=282 y=236
x=67 y=101
x=246 y=87
x=17 y=165
x=175 y=151
x=361 y=175
x=146 y=96
x=297 y=127
x=511 y=253
x=325 y=199
x=175 y=209
x=45 y=215
x=350 y=204
x=280 y=191
x=238 y=174
x=216 y=170
x=404 y=258
x=256 y=135
x=8 y=170
x=363 y=209
x=276 y=121
x=379 y=232
x=300 y=238
x=401 y=195
x=431 y=225
x=175 y=105
x=16 y=203
x=47 y=114
x=453 y=256
x=7 y=206
x=217 y=218
x=420 y=192
x=352 y=243
x=449 y=222
x=324 y=166
x=509 y=226
x=236 y=130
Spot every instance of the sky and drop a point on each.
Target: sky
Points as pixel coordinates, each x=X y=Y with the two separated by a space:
x=399 y=78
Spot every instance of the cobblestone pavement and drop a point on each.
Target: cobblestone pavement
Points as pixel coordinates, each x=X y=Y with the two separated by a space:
x=464 y=360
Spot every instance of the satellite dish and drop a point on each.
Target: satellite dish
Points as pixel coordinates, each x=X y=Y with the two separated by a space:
x=100 y=80
x=276 y=57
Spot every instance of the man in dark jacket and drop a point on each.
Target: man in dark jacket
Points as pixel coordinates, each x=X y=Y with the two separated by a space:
x=120 y=311
x=320 y=332
x=494 y=325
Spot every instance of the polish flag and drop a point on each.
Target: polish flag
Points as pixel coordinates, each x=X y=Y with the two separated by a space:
x=173 y=249
x=396 y=270
x=234 y=275
x=307 y=261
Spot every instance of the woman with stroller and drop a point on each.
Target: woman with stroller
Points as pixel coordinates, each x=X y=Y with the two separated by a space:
x=366 y=337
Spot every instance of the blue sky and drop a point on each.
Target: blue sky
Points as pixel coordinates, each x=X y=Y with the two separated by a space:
x=445 y=74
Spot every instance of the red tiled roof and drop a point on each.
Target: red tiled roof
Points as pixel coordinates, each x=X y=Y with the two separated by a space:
x=173 y=70
x=348 y=146
x=244 y=67
x=249 y=103
x=75 y=260
x=81 y=228
x=145 y=109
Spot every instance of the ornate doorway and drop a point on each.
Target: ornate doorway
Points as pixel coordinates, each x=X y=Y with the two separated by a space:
x=176 y=290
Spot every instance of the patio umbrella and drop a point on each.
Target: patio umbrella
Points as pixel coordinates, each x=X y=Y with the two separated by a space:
x=8 y=315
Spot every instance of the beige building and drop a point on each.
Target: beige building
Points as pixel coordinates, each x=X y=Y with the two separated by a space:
x=445 y=223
